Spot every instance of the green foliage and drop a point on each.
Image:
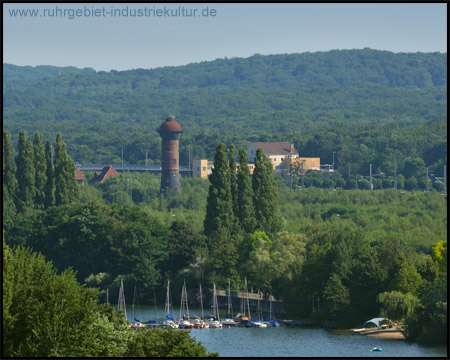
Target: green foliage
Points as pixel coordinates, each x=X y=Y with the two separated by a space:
x=66 y=188
x=440 y=255
x=397 y=305
x=25 y=173
x=40 y=167
x=337 y=296
x=265 y=195
x=166 y=343
x=406 y=278
x=50 y=183
x=219 y=208
x=9 y=179
x=246 y=211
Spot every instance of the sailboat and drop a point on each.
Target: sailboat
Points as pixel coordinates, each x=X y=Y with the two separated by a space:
x=168 y=318
x=121 y=306
x=199 y=323
x=153 y=323
x=136 y=323
x=245 y=321
x=214 y=321
x=228 y=321
x=257 y=322
x=184 y=321
x=270 y=321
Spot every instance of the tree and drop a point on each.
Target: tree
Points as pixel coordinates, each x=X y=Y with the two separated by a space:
x=66 y=187
x=9 y=178
x=40 y=167
x=265 y=195
x=396 y=305
x=166 y=343
x=25 y=173
x=233 y=180
x=50 y=181
x=219 y=206
x=246 y=211
x=406 y=278
x=336 y=295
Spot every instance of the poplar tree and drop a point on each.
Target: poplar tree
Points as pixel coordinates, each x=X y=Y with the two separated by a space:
x=219 y=206
x=246 y=211
x=265 y=195
x=50 y=181
x=9 y=177
x=40 y=167
x=66 y=187
x=25 y=173
x=233 y=180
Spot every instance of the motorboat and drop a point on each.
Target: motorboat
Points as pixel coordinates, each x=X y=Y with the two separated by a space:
x=257 y=323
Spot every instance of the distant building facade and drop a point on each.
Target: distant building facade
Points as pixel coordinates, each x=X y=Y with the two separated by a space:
x=304 y=163
x=202 y=168
x=79 y=177
x=103 y=175
x=276 y=152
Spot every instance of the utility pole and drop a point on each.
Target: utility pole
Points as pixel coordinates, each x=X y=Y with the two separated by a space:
x=349 y=167
x=333 y=159
x=427 y=187
x=146 y=156
x=445 y=178
x=395 y=173
x=122 y=157
x=370 y=173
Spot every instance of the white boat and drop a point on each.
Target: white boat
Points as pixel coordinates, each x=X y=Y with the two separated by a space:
x=257 y=323
x=121 y=306
x=184 y=321
x=168 y=321
x=136 y=323
x=228 y=321
x=198 y=322
x=214 y=321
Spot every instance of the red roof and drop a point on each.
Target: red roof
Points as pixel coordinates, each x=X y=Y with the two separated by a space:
x=170 y=125
x=105 y=174
x=79 y=175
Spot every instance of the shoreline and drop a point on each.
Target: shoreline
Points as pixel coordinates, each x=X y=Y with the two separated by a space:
x=395 y=333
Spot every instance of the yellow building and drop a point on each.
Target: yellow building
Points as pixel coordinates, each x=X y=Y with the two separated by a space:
x=277 y=152
x=302 y=163
x=202 y=168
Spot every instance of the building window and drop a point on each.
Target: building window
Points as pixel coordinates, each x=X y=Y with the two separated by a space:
x=174 y=161
x=274 y=159
x=282 y=159
x=204 y=168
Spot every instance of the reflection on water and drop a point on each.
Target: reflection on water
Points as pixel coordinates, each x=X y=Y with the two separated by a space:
x=293 y=342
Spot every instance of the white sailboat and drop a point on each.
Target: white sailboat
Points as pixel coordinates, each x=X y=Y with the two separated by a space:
x=121 y=306
x=199 y=323
x=214 y=322
x=228 y=321
x=184 y=321
x=168 y=318
x=135 y=323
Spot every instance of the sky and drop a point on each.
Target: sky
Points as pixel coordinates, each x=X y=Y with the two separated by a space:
x=107 y=36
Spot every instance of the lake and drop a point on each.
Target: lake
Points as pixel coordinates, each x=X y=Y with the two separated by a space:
x=293 y=342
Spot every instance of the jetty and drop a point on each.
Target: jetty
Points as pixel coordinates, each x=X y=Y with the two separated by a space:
x=255 y=300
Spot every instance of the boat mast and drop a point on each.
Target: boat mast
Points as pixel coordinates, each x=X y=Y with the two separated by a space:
x=167 y=305
x=248 y=303
x=201 y=299
x=121 y=304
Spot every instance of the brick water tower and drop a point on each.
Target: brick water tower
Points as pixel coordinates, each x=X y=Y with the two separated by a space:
x=170 y=132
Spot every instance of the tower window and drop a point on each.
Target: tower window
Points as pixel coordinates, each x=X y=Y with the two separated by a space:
x=174 y=161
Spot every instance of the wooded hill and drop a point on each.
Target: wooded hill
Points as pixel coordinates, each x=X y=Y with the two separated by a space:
x=354 y=95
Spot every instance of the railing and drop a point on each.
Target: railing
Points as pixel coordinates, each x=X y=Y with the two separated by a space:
x=243 y=295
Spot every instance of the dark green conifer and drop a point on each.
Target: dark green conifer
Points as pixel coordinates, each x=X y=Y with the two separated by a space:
x=265 y=195
x=246 y=211
x=66 y=187
x=9 y=178
x=40 y=167
x=50 y=181
x=219 y=206
x=233 y=180
x=25 y=173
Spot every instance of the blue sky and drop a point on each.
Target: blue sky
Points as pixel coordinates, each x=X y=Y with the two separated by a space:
x=106 y=42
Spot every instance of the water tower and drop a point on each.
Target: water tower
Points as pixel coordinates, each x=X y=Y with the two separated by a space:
x=170 y=132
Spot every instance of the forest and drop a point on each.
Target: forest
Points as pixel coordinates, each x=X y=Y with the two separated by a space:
x=315 y=236
x=367 y=106
x=360 y=252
